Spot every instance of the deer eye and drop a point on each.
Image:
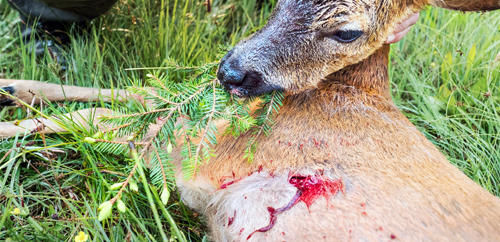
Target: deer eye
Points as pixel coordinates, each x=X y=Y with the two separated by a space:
x=347 y=36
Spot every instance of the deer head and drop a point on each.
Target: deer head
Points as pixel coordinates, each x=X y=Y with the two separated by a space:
x=305 y=41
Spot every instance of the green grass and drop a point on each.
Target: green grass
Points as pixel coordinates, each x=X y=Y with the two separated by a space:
x=72 y=184
x=446 y=79
x=442 y=91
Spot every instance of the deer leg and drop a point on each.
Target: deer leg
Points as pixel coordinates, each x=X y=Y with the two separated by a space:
x=83 y=118
x=26 y=90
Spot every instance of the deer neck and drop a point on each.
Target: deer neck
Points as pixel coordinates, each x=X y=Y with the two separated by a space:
x=350 y=119
x=357 y=87
x=369 y=76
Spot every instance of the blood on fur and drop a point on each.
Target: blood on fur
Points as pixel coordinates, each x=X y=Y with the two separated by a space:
x=231 y=220
x=310 y=188
x=274 y=212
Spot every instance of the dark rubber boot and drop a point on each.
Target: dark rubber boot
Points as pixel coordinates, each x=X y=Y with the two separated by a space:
x=61 y=10
x=48 y=21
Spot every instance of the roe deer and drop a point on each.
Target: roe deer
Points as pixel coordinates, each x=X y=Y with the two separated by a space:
x=343 y=163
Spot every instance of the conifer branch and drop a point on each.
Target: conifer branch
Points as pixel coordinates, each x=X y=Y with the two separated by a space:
x=143 y=153
x=162 y=169
x=119 y=143
x=153 y=94
x=212 y=112
x=139 y=114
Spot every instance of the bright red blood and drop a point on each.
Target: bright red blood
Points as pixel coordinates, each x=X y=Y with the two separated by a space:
x=225 y=185
x=260 y=169
x=312 y=187
x=393 y=236
x=309 y=189
x=241 y=230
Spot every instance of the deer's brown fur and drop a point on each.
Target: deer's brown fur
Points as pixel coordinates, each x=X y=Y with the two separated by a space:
x=339 y=123
x=396 y=181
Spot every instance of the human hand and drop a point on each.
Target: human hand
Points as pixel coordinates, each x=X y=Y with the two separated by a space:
x=402 y=29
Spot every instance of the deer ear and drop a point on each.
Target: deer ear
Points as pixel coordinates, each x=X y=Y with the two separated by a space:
x=469 y=5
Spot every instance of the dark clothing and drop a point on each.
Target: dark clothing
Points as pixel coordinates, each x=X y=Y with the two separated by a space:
x=61 y=10
x=48 y=20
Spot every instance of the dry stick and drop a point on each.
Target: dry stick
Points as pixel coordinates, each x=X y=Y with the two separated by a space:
x=42 y=134
x=32 y=103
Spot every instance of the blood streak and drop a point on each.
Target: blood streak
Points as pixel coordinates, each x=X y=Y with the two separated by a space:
x=231 y=220
x=225 y=185
x=309 y=188
x=274 y=212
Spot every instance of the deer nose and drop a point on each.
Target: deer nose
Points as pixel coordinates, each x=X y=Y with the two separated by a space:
x=230 y=71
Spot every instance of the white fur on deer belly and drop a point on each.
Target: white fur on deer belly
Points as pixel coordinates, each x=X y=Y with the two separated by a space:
x=248 y=208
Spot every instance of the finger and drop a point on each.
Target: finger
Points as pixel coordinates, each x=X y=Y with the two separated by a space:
x=402 y=29
x=407 y=23
x=397 y=37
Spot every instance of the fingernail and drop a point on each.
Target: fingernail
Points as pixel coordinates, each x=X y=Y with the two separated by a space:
x=391 y=38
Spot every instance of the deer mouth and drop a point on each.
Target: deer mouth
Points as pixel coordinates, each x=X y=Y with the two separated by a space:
x=252 y=85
